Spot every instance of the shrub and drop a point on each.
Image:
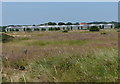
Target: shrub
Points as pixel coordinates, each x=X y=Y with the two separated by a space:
x=28 y=30
x=43 y=29
x=16 y=30
x=65 y=31
x=94 y=28
x=54 y=29
x=37 y=29
x=5 y=38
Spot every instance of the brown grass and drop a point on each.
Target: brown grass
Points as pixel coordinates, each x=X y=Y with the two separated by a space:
x=91 y=41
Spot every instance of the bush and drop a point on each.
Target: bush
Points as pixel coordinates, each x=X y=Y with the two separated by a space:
x=43 y=29
x=37 y=29
x=28 y=30
x=94 y=28
x=5 y=38
x=65 y=31
x=54 y=29
x=16 y=30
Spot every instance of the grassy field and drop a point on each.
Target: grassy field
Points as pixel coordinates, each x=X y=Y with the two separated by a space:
x=74 y=56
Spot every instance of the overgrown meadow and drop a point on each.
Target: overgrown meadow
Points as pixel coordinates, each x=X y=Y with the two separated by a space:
x=55 y=56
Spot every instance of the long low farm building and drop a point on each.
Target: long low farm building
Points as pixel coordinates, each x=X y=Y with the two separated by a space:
x=57 y=27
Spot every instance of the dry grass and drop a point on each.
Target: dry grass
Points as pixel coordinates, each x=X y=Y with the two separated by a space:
x=56 y=46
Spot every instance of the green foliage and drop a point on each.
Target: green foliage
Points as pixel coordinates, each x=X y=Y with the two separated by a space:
x=61 y=23
x=5 y=38
x=16 y=30
x=94 y=28
x=65 y=31
x=43 y=29
x=100 y=66
x=117 y=26
x=2 y=28
x=69 y=23
x=28 y=30
x=77 y=23
x=36 y=29
x=54 y=29
x=51 y=23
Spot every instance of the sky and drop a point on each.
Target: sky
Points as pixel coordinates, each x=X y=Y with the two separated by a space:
x=28 y=13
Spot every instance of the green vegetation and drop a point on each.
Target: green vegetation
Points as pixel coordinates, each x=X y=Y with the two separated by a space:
x=75 y=56
x=5 y=38
x=28 y=30
x=99 y=66
x=94 y=28
x=65 y=31
x=43 y=29
x=54 y=29
x=37 y=29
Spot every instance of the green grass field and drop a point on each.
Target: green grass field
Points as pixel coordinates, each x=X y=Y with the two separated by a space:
x=74 y=56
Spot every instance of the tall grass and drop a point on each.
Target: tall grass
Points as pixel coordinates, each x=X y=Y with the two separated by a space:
x=61 y=57
x=97 y=66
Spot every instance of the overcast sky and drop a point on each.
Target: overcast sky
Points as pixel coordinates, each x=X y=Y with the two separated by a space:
x=42 y=12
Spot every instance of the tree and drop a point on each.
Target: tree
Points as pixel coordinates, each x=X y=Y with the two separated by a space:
x=51 y=23
x=94 y=28
x=28 y=30
x=69 y=23
x=61 y=23
x=77 y=23
x=33 y=25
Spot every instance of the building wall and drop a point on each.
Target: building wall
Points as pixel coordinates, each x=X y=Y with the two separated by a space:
x=69 y=27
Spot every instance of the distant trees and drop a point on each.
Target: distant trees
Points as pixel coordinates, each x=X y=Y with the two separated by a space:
x=33 y=25
x=69 y=23
x=61 y=23
x=51 y=23
x=77 y=23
